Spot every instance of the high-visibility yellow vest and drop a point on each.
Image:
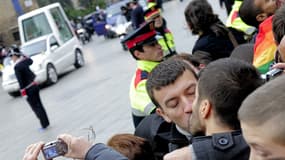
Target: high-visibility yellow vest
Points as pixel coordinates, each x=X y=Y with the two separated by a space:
x=235 y=21
x=167 y=42
x=140 y=101
x=150 y=4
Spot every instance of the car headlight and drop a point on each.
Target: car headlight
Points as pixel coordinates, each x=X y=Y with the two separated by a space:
x=107 y=26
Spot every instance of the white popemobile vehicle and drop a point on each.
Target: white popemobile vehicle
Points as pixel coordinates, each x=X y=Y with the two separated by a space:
x=47 y=37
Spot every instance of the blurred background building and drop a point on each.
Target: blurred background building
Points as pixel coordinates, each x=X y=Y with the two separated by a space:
x=11 y=9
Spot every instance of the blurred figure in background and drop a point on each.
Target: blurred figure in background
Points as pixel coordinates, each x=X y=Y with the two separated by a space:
x=136 y=14
x=214 y=37
x=28 y=86
x=126 y=12
x=164 y=36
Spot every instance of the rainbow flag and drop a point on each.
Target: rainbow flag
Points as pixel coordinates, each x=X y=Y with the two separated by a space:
x=264 y=47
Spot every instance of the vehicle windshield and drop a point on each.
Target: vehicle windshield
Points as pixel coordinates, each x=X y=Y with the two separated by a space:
x=121 y=20
x=34 y=48
x=35 y=27
x=113 y=10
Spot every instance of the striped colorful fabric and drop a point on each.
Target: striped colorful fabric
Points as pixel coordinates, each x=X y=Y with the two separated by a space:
x=264 y=47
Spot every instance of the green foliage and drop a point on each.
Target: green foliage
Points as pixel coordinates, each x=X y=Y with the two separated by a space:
x=92 y=3
x=64 y=3
x=87 y=6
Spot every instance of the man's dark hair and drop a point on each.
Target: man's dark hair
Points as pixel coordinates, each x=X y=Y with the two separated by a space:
x=248 y=12
x=187 y=57
x=266 y=106
x=279 y=24
x=164 y=74
x=200 y=17
x=137 y=47
x=226 y=83
x=202 y=57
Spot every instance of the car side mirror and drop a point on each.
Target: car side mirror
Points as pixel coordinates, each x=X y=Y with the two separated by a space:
x=53 y=47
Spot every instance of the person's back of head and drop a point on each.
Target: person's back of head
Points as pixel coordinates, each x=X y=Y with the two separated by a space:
x=200 y=18
x=279 y=24
x=225 y=83
x=202 y=57
x=243 y=52
x=248 y=13
x=133 y=147
x=262 y=117
x=253 y=12
x=189 y=59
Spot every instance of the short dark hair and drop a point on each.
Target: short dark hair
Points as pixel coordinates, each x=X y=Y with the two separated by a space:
x=200 y=17
x=278 y=23
x=132 y=50
x=202 y=57
x=131 y=146
x=187 y=57
x=266 y=105
x=164 y=74
x=226 y=83
x=248 y=12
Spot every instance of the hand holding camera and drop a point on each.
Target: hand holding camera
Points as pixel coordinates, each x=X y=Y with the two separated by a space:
x=54 y=149
x=66 y=145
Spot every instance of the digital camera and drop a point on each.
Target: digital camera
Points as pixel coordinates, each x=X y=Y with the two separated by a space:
x=54 y=149
x=272 y=74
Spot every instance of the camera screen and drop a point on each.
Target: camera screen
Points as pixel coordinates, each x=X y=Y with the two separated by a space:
x=50 y=152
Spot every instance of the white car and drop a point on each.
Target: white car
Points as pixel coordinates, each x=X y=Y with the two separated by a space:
x=49 y=60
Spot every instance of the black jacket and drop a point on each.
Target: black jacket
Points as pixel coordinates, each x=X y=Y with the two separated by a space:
x=226 y=146
x=137 y=17
x=217 y=46
x=162 y=136
x=23 y=72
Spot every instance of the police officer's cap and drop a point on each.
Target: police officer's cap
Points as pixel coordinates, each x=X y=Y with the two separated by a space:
x=143 y=35
x=151 y=12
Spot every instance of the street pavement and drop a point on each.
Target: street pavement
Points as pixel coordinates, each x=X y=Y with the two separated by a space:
x=95 y=95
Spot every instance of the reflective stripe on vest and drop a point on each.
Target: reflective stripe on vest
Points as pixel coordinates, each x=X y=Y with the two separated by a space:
x=235 y=21
x=139 y=99
x=169 y=40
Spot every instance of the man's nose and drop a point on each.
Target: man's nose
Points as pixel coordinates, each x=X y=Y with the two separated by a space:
x=187 y=105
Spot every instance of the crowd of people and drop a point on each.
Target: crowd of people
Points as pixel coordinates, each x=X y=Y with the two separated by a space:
x=210 y=104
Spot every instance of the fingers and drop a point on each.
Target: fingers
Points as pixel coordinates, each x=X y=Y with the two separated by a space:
x=32 y=151
x=279 y=65
x=77 y=146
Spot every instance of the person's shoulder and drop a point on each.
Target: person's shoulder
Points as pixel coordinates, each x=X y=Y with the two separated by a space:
x=151 y=125
x=226 y=145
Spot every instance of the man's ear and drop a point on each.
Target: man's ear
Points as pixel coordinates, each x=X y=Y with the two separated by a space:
x=161 y=113
x=205 y=108
x=138 y=54
x=261 y=17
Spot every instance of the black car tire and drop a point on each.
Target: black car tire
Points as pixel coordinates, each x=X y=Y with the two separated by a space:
x=52 y=76
x=79 y=59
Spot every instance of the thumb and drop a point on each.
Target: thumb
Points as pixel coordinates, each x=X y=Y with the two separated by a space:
x=279 y=65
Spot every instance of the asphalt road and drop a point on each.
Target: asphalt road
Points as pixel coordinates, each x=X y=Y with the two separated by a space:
x=95 y=95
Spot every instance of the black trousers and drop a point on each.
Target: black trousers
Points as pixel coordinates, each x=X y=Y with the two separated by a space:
x=35 y=102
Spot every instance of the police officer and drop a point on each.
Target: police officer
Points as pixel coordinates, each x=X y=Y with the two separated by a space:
x=164 y=36
x=28 y=86
x=148 y=53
